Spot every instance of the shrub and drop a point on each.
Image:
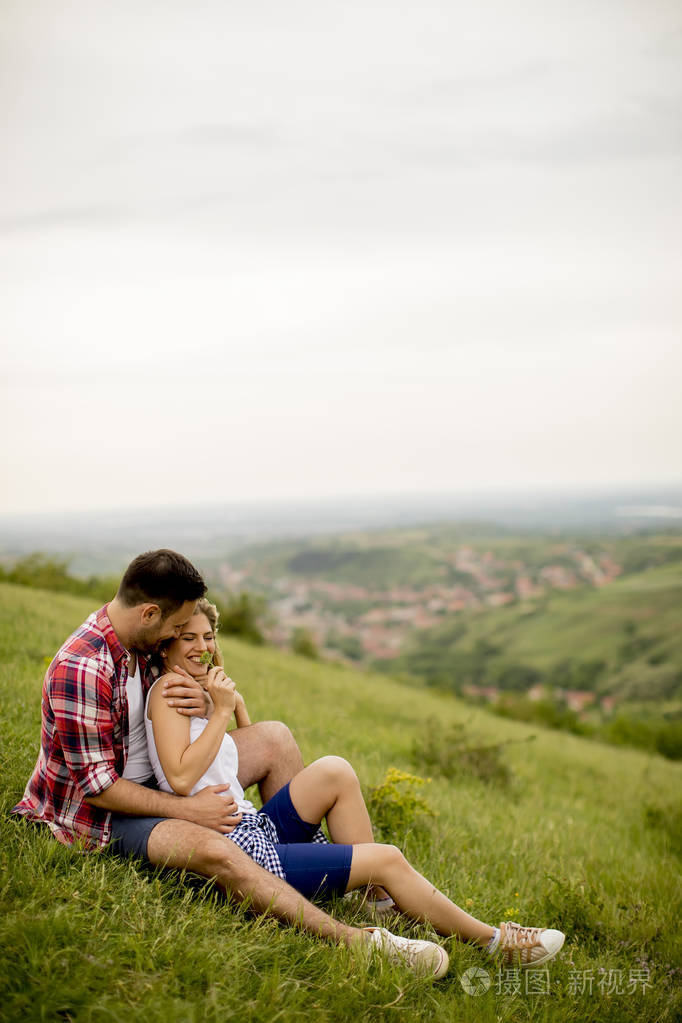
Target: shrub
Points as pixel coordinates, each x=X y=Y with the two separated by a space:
x=452 y=753
x=669 y=739
x=628 y=731
x=634 y=644
x=348 y=645
x=516 y=676
x=52 y=573
x=241 y=615
x=547 y=713
x=396 y=806
x=303 y=644
x=571 y=674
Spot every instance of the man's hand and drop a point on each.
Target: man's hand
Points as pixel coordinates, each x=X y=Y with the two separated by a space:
x=214 y=811
x=208 y=807
x=185 y=693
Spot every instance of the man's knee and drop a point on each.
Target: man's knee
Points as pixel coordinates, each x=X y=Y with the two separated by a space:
x=217 y=857
x=181 y=844
x=277 y=739
x=267 y=751
x=224 y=860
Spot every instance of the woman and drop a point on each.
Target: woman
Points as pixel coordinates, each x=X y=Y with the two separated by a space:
x=190 y=753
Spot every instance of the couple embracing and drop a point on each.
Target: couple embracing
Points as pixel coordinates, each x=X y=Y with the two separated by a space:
x=136 y=759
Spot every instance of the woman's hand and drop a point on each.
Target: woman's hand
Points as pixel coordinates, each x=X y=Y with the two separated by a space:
x=222 y=690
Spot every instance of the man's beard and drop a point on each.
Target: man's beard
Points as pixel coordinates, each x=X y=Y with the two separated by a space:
x=146 y=643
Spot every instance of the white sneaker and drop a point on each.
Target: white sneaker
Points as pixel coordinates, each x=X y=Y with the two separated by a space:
x=423 y=957
x=372 y=905
x=528 y=946
x=382 y=907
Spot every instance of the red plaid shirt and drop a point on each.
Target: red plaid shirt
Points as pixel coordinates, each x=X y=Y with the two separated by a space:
x=84 y=737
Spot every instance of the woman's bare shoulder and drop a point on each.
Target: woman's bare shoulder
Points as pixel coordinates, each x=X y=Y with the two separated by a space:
x=155 y=700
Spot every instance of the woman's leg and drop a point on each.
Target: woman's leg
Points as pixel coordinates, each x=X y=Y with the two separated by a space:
x=329 y=788
x=385 y=865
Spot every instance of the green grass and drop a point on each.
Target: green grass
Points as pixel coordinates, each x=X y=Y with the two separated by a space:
x=587 y=835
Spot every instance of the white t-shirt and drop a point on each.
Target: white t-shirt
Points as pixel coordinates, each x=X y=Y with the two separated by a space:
x=223 y=770
x=138 y=766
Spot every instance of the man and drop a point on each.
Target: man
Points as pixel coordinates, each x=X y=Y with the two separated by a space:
x=89 y=783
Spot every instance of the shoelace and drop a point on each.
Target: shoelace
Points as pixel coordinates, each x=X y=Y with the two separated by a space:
x=395 y=946
x=404 y=948
x=521 y=942
x=516 y=936
x=423 y=956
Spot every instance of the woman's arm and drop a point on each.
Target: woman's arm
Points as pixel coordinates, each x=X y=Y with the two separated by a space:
x=184 y=762
x=241 y=714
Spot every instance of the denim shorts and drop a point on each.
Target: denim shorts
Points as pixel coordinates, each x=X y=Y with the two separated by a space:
x=130 y=835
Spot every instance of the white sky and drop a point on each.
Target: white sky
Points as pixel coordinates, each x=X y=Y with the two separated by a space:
x=290 y=249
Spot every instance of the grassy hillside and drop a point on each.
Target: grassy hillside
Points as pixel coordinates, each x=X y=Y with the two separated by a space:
x=631 y=626
x=580 y=835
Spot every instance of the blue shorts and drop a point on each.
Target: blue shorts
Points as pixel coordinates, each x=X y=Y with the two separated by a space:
x=130 y=835
x=312 y=869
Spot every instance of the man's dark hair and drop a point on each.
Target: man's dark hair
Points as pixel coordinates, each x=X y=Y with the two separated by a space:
x=161 y=577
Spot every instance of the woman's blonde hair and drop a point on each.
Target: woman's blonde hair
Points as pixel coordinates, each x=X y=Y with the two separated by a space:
x=205 y=607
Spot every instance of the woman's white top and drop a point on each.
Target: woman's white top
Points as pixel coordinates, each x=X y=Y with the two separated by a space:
x=137 y=766
x=223 y=770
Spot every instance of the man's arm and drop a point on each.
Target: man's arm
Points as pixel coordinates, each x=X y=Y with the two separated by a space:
x=207 y=808
x=80 y=694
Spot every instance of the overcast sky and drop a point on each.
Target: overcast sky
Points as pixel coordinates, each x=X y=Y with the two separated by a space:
x=309 y=248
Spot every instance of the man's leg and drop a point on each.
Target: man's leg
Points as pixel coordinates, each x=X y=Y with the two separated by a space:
x=177 y=843
x=268 y=755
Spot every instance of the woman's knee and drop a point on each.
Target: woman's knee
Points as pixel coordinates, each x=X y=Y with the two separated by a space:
x=374 y=862
x=391 y=857
x=336 y=770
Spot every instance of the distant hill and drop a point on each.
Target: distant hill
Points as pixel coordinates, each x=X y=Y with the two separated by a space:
x=468 y=604
x=621 y=640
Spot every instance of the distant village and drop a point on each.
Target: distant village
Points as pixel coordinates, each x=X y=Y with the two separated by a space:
x=577 y=700
x=354 y=624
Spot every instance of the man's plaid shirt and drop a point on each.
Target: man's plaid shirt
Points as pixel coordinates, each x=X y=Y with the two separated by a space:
x=84 y=737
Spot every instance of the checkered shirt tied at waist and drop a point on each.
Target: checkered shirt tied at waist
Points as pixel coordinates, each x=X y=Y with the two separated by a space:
x=257 y=836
